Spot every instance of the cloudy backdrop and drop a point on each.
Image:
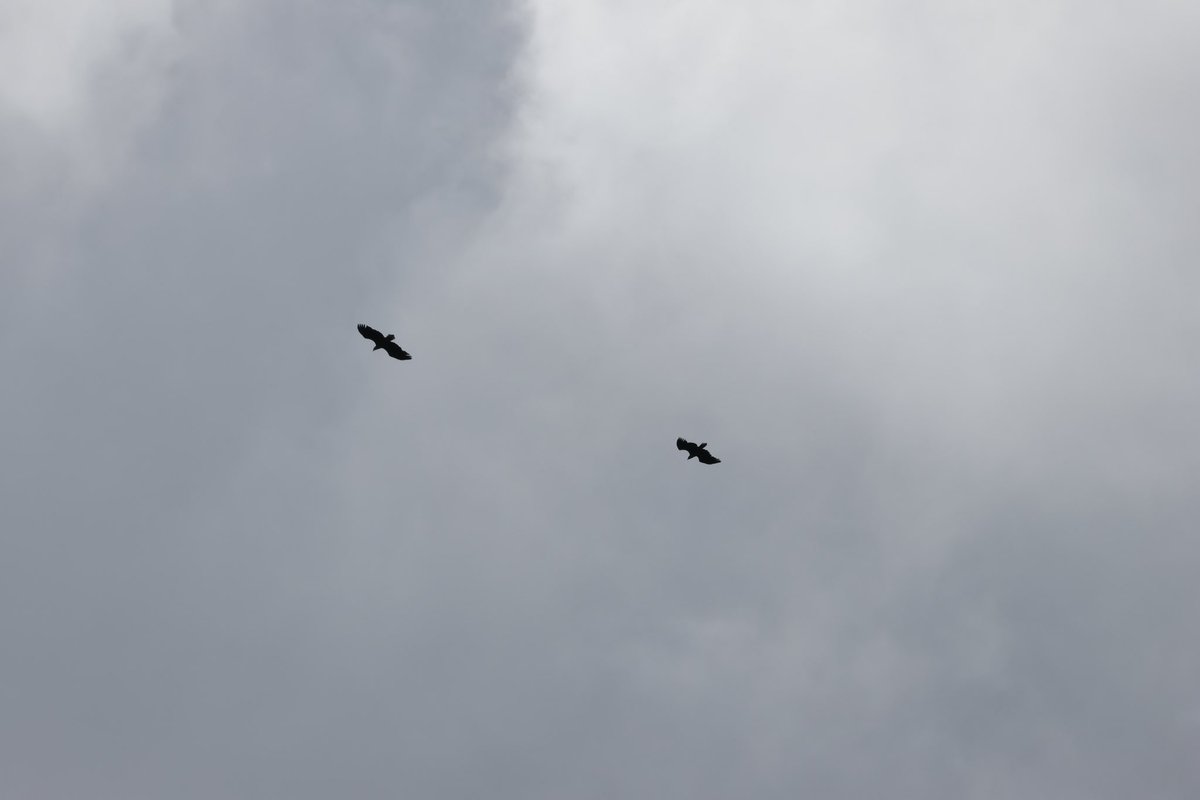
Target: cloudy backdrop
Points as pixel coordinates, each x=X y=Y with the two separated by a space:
x=924 y=276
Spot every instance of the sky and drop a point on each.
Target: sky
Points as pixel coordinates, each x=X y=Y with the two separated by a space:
x=923 y=277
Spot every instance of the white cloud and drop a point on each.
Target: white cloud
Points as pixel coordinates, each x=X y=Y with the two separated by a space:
x=50 y=52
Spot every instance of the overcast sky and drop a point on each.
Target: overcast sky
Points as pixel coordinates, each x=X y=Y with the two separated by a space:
x=923 y=275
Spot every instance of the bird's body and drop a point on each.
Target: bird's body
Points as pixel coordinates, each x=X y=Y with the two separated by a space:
x=697 y=451
x=385 y=343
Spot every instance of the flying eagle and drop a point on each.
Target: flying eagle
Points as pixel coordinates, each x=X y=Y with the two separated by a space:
x=697 y=451
x=384 y=342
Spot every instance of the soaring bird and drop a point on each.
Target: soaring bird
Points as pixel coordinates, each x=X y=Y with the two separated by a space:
x=383 y=342
x=697 y=451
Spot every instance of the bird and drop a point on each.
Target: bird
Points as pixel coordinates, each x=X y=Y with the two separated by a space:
x=382 y=342
x=697 y=451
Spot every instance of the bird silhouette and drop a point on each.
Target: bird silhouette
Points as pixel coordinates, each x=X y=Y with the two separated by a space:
x=382 y=342
x=697 y=451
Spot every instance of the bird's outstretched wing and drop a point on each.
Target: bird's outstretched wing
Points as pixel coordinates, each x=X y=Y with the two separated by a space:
x=697 y=450
x=396 y=351
x=370 y=333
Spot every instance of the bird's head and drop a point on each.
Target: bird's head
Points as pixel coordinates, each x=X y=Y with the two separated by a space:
x=390 y=337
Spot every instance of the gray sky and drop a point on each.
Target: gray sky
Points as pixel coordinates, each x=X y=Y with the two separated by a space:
x=924 y=278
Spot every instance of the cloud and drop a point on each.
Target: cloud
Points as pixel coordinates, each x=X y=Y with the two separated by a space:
x=920 y=279
x=174 y=381
x=52 y=54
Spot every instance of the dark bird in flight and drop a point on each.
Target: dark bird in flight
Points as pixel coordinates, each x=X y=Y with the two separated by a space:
x=384 y=342
x=697 y=451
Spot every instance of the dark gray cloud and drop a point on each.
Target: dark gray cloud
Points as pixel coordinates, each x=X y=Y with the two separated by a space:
x=922 y=281
x=178 y=353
